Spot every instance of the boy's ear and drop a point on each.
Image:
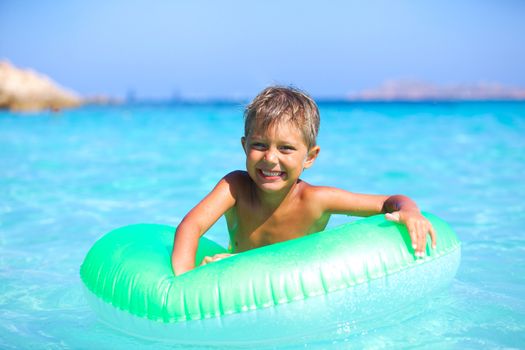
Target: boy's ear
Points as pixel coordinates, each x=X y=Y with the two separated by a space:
x=311 y=156
x=243 y=142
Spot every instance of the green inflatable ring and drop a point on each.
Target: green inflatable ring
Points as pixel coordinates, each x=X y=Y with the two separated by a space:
x=129 y=270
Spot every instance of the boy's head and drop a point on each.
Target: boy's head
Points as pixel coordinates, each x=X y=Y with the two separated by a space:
x=278 y=104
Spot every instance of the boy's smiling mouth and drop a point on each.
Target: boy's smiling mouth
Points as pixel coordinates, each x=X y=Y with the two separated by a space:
x=267 y=174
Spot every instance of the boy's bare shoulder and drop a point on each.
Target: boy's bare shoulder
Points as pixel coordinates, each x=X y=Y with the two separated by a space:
x=322 y=195
x=238 y=180
x=316 y=192
x=237 y=176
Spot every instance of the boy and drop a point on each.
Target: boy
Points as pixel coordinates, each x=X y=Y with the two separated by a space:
x=268 y=203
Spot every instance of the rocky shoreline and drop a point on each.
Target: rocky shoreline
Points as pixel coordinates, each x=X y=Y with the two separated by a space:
x=24 y=90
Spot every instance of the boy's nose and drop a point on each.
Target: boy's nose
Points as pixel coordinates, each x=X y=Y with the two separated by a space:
x=270 y=156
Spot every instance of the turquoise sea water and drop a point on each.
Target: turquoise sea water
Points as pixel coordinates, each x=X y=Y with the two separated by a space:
x=66 y=179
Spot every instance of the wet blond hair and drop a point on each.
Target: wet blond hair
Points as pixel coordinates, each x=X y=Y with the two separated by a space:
x=283 y=104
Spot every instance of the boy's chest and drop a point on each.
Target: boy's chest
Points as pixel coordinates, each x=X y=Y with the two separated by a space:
x=256 y=228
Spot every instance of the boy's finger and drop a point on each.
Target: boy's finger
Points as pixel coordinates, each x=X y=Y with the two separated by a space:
x=413 y=236
x=433 y=236
x=205 y=260
x=422 y=239
x=416 y=240
x=392 y=216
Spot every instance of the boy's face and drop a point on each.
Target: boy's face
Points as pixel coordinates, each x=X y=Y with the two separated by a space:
x=275 y=158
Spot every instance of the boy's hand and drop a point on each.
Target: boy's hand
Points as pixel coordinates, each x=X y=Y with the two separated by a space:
x=216 y=257
x=418 y=228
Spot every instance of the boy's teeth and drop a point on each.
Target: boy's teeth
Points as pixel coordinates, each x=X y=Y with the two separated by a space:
x=271 y=173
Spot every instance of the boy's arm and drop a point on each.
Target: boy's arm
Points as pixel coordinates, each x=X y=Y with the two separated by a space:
x=198 y=221
x=398 y=208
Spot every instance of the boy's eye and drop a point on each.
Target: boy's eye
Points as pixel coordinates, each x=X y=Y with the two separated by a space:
x=287 y=148
x=258 y=145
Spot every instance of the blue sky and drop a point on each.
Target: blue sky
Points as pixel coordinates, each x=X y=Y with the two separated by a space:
x=232 y=49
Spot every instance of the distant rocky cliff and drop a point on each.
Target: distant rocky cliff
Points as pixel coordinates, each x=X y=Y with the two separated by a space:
x=409 y=90
x=26 y=90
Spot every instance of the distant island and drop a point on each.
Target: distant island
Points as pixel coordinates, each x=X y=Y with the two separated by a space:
x=410 y=90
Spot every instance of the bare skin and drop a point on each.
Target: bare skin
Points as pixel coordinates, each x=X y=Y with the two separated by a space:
x=268 y=203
